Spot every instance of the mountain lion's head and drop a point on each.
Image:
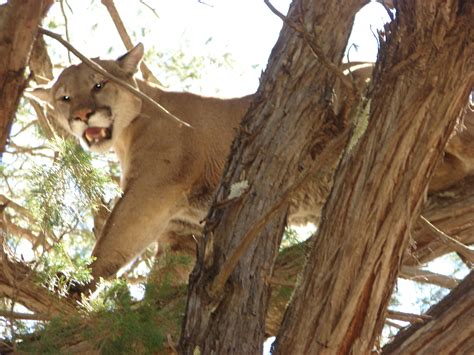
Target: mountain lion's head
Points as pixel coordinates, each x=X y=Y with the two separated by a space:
x=91 y=107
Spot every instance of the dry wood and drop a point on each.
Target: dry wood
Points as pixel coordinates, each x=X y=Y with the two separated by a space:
x=272 y=152
x=18 y=282
x=407 y=317
x=25 y=316
x=19 y=20
x=452 y=243
x=424 y=276
x=451 y=210
x=449 y=329
x=110 y=5
x=380 y=187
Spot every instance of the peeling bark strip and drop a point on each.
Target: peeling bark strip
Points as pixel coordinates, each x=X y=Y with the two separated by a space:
x=19 y=21
x=449 y=331
x=283 y=134
x=423 y=78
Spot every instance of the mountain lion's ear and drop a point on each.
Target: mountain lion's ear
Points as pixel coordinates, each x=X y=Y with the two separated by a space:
x=131 y=60
x=41 y=94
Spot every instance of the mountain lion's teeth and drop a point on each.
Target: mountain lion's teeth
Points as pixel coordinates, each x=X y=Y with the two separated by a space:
x=103 y=133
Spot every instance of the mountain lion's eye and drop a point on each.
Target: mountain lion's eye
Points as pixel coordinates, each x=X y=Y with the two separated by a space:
x=99 y=86
x=66 y=98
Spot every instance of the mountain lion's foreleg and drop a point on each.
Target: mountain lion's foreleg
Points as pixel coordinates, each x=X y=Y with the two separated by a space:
x=136 y=221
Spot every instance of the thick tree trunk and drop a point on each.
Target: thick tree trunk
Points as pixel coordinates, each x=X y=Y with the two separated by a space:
x=19 y=20
x=379 y=187
x=291 y=123
x=449 y=331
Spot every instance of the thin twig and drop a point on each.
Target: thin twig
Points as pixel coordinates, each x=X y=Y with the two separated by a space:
x=449 y=241
x=393 y=324
x=66 y=26
x=26 y=316
x=151 y=8
x=276 y=12
x=408 y=317
x=220 y=280
x=119 y=25
x=106 y=74
x=428 y=277
x=17 y=207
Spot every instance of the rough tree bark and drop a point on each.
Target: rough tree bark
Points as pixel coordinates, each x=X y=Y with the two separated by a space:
x=452 y=211
x=19 y=283
x=19 y=20
x=247 y=289
x=449 y=331
x=379 y=188
x=286 y=132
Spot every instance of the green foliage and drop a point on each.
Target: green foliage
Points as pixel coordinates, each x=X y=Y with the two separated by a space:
x=290 y=238
x=116 y=323
x=179 y=69
x=126 y=327
x=52 y=336
x=62 y=192
x=57 y=270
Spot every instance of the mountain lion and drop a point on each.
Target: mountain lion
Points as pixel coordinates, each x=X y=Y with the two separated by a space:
x=169 y=172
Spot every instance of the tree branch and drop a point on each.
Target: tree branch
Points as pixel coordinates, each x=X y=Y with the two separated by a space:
x=447 y=331
x=19 y=20
x=407 y=317
x=110 y=5
x=113 y=78
x=24 y=316
x=17 y=282
x=335 y=145
x=380 y=186
x=451 y=242
x=424 y=276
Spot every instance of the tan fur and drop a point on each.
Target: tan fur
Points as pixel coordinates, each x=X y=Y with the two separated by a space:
x=169 y=172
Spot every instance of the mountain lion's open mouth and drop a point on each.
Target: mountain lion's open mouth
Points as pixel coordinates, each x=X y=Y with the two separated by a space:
x=94 y=135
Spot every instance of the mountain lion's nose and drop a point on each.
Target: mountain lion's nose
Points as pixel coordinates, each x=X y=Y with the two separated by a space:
x=83 y=114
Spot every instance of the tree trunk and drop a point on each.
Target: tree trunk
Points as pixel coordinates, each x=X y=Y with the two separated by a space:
x=380 y=186
x=19 y=21
x=450 y=331
x=287 y=131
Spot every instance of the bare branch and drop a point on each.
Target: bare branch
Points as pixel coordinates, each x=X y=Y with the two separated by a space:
x=25 y=316
x=393 y=324
x=458 y=247
x=66 y=27
x=17 y=282
x=424 y=276
x=18 y=208
x=449 y=329
x=150 y=8
x=407 y=317
x=116 y=80
x=110 y=5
